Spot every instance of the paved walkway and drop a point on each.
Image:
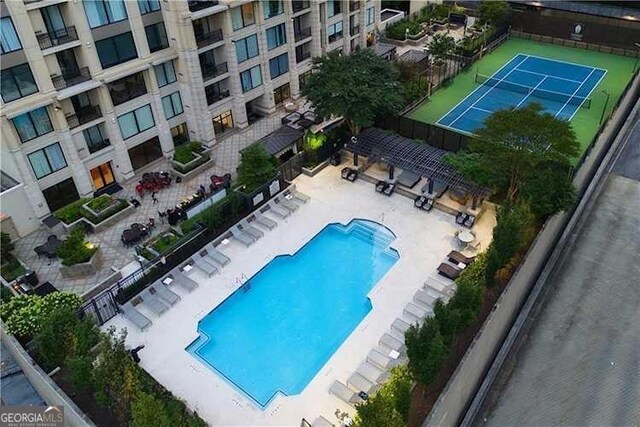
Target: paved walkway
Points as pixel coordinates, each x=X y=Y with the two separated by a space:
x=226 y=157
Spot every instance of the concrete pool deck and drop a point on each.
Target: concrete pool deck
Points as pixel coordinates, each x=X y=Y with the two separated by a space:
x=423 y=240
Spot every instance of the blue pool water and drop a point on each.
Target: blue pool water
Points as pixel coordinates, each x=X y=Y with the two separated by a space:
x=277 y=331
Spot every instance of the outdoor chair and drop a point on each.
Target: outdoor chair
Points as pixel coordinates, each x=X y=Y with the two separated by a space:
x=164 y=293
x=250 y=229
x=177 y=278
x=344 y=393
x=449 y=271
x=134 y=316
x=321 y=422
x=153 y=303
x=424 y=298
x=358 y=382
x=381 y=185
x=419 y=201
x=287 y=204
x=420 y=313
x=264 y=221
x=428 y=205
x=392 y=343
x=204 y=265
x=241 y=236
x=372 y=373
x=459 y=258
x=379 y=357
x=400 y=326
x=278 y=210
x=301 y=197
x=216 y=255
x=388 y=190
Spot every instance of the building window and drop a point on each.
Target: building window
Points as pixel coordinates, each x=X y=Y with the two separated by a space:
x=180 y=134
x=302 y=79
x=127 y=88
x=33 y=124
x=335 y=32
x=333 y=8
x=272 y=8
x=251 y=78
x=156 y=37
x=165 y=73
x=223 y=122
x=172 y=105
x=136 y=121
x=116 y=50
x=47 y=161
x=95 y=139
x=103 y=12
x=148 y=6
x=281 y=94
x=247 y=48
x=276 y=36
x=215 y=93
x=9 y=40
x=242 y=16
x=17 y=82
x=370 y=16
x=279 y=65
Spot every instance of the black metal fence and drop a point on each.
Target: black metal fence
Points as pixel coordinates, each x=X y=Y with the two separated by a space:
x=433 y=135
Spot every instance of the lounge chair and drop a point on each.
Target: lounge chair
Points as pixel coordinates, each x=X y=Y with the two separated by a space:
x=344 y=393
x=278 y=210
x=441 y=288
x=264 y=221
x=461 y=217
x=388 y=190
x=381 y=185
x=216 y=255
x=251 y=230
x=178 y=278
x=419 y=313
x=243 y=237
x=419 y=201
x=287 y=204
x=349 y=174
x=449 y=271
x=469 y=221
x=392 y=343
x=153 y=303
x=400 y=326
x=134 y=316
x=321 y=422
x=358 y=382
x=378 y=358
x=164 y=293
x=428 y=205
x=424 y=298
x=459 y=258
x=301 y=197
x=372 y=373
x=204 y=265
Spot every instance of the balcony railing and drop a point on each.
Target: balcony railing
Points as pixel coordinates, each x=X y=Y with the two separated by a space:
x=353 y=6
x=354 y=30
x=214 y=97
x=205 y=39
x=71 y=78
x=298 y=6
x=301 y=56
x=302 y=34
x=196 y=5
x=84 y=115
x=211 y=71
x=126 y=91
x=97 y=146
x=57 y=38
x=335 y=37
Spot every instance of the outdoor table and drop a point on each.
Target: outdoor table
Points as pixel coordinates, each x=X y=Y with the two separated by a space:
x=466 y=237
x=50 y=248
x=131 y=235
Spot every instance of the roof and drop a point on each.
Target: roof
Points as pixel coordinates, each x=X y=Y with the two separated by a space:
x=418 y=158
x=16 y=388
x=589 y=8
x=280 y=139
x=382 y=49
x=413 y=55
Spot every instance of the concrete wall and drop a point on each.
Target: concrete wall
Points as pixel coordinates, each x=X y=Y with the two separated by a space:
x=15 y=204
x=462 y=386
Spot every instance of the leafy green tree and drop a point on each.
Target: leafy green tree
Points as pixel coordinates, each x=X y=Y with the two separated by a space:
x=6 y=247
x=147 y=411
x=356 y=87
x=398 y=390
x=256 y=167
x=426 y=350
x=537 y=185
x=494 y=12
x=513 y=146
x=25 y=315
x=440 y=47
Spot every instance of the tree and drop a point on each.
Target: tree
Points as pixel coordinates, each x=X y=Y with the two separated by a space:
x=440 y=47
x=494 y=12
x=256 y=167
x=147 y=411
x=356 y=87
x=426 y=350
x=513 y=146
x=6 y=246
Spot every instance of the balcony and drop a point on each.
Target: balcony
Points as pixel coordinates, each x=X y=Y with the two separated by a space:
x=84 y=115
x=196 y=5
x=354 y=30
x=211 y=71
x=57 y=38
x=335 y=37
x=299 y=6
x=301 y=56
x=97 y=146
x=302 y=34
x=354 y=5
x=205 y=39
x=71 y=78
x=213 y=97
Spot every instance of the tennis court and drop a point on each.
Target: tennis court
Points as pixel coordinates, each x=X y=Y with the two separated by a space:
x=562 y=88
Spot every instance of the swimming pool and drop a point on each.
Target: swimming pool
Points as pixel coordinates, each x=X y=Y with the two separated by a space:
x=277 y=331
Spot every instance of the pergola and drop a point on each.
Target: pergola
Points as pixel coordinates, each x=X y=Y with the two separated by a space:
x=421 y=159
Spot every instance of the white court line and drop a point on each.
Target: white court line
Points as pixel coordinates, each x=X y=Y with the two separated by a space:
x=550 y=75
x=483 y=110
x=474 y=91
x=454 y=129
x=490 y=90
x=532 y=90
x=590 y=92
x=574 y=93
x=567 y=62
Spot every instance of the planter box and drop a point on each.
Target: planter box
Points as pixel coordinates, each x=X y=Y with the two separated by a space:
x=196 y=170
x=104 y=224
x=315 y=170
x=115 y=203
x=85 y=269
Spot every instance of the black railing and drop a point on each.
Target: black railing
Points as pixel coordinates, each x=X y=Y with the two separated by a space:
x=205 y=39
x=126 y=93
x=196 y=5
x=302 y=34
x=213 y=97
x=211 y=71
x=335 y=37
x=97 y=146
x=354 y=30
x=298 y=6
x=71 y=78
x=301 y=56
x=353 y=6
x=84 y=115
x=57 y=38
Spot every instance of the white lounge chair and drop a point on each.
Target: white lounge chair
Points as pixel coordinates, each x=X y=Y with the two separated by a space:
x=217 y=256
x=419 y=313
x=134 y=316
x=372 y=372
x=243 y=237
x=358 y=382
x=424 y=298
x=278 y=210
x=153 y=303
x=264 y=221
x=400 y=325
x=444 y=287
x=380 y=358
x=204 y=265
x=164 y=293
x=301 y=197
x=392 y=343
x=322 y=422
x=178 y=278
x=344 y=393
x=287 y=204
x=250 y=229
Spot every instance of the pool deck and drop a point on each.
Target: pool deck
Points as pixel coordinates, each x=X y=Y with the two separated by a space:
x=423 y=240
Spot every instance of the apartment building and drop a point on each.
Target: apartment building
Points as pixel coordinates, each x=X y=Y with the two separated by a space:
x=93 y=91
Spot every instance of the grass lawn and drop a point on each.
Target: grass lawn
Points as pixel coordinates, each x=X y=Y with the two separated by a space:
x=585 y=122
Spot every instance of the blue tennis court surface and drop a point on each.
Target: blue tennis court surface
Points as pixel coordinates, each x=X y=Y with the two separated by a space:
x=560 y=87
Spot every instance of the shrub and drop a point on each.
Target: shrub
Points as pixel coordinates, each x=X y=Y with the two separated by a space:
x=164 y=242
x=398 y=30
x=72 y=212
x=215 y=215
x=183 y=154
x=201 y=160
x=440 y=11
x=147 y=411
x=75 y=250
x=6 y=247
x=25 y=315
x=426 y=350
x=11 y=270
x=256 y=167
x=414 y=89
x=100 y=203
x=5 y=294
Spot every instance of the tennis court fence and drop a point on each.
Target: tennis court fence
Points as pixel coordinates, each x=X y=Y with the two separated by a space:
x=574 y=43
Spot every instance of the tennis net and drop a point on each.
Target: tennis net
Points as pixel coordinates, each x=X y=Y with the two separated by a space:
x=539 y=93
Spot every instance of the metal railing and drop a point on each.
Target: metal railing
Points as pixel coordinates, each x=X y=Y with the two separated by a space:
x=71 y=78
x=211 y=71
x=94 y=147
x=196 y=5
x=302 y=34
x=298 y=6
x=354 y=30
x=335 y=37
x=301 y=56
x=214 y=97
x=205 y=39
x=84 y=115
x=57 y=38
x=130 y=91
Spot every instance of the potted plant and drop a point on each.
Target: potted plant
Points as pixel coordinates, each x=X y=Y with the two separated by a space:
x=188 y=158
x=79 y=257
